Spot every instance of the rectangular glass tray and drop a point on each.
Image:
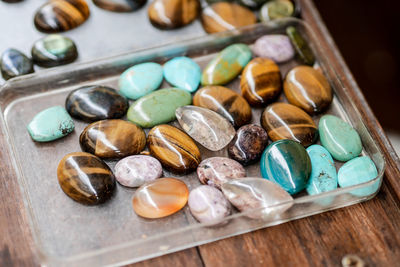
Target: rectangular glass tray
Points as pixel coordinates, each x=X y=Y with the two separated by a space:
x=67 y=233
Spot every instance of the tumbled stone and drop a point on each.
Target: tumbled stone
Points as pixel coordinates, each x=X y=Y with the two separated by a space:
x=275 y=46
x=85 y=178
x=276 y=9
x=218 y=170
x=14 y=63
x=160 y=198
x=253 y=4
x=183 y=73
x=208 y=128
x=112 y=139
x=50 y=124
x=120 y=5
x=300 y=45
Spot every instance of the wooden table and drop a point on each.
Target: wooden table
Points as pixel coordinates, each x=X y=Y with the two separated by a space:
x=368 y=230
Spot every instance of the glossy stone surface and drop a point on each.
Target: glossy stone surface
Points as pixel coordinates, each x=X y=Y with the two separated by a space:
x=286 y=163
x=85 y=178
x=218 y=170
x=54 y=50
x=208 y=128
x=172 y=14
x=14 y=63
x=96 y=102
x=276 y=9
x=61 y=15
x=256 y=196
x=261 y=81
x=120 y=5
x=134 y=171
x=140 y=80
x=285 y=121
x=248 y=145
x=357 y=171
x=308 y=89
x=225 y=102
x=183 y=72
x=160 y=198
x=112 y=139
x=175 y=150
x=228 y=64
x=50 y=124
x=253 y=4
x=323 y=176
x=274 y=46
x=339 y=138
x=208 y=205
x=300 y=45
x=223 y=16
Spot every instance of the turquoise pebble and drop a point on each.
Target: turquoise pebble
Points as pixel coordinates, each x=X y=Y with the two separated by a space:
x=357 y=171
x=339 y=138
x=183 y=73
x=51 y=124
x=140 y=80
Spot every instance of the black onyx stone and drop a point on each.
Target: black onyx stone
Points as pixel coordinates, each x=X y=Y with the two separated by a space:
x=14 y=63
x=120 y=5
x=93 y=103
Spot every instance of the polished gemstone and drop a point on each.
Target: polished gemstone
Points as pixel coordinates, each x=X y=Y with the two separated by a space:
x=208 y=128
x=208 y=205
x=183 y=73
x=357 y=171
x=133 y=171
x=223 y=16
x=51 y=124
x=158 y=107
x=275 y=46
x=14 y=63
x=140 y=80
x=173 y=148
x=61 y=15
x=285 y=121
x=261 y=81
x=286 y=163
x=253 y=4
x=257 y=197
x=54 y=50
x=96 y=102
x=120 y=5
x=339 y=138
x=218 y=170
x=225 y=102
x=172 y=14
x=248 y=145
x=228 y=64
x=308 y=89
x=160 y=198
x=112 y=139
x=300 y=45
x=85 y=178
x=276 y=9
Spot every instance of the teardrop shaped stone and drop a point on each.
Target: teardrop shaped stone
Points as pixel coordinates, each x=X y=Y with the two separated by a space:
x=228 y=64
x=183 y=72
x=85 y=178
x=300 y=45
x=208 y=128
x=120 y=5
x=14 y=63
x=225 y=102
x=339 y=138
x=274 y=46
x=61 y=15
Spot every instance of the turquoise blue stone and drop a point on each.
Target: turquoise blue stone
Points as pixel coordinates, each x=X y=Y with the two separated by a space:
x=140 y=80
x=183 y=73
x=323 y=176
x=339 y=138
x=50 y=124
x=357 y=171
x=286 y=163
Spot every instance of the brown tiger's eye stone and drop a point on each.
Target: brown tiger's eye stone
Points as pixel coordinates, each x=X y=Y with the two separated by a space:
x=308 y=89
x=285 y=121
x=85 y=178
x=171 y=14
x=112 y=139
x=173 y=148
x=223 y=16
x=261 y=81
x=225 y=102
x=61 y=15
x=120 y=5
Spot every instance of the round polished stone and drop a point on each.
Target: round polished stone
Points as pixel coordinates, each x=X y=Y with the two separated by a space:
x=120 y=5
x=276 y=9
x=274 y=46
x=14 y=63
x=183 y=72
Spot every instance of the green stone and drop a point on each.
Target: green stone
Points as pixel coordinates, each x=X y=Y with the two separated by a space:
x=276 y=9
x=158 y=107
x=300 y=45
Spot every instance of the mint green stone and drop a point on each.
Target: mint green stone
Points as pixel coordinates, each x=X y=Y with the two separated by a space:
x=50 y=124
x=158 y=107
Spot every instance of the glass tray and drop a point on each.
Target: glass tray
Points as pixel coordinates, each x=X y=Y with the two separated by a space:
x=67 y=233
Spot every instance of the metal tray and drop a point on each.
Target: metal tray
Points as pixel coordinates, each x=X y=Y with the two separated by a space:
x=67 y=233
